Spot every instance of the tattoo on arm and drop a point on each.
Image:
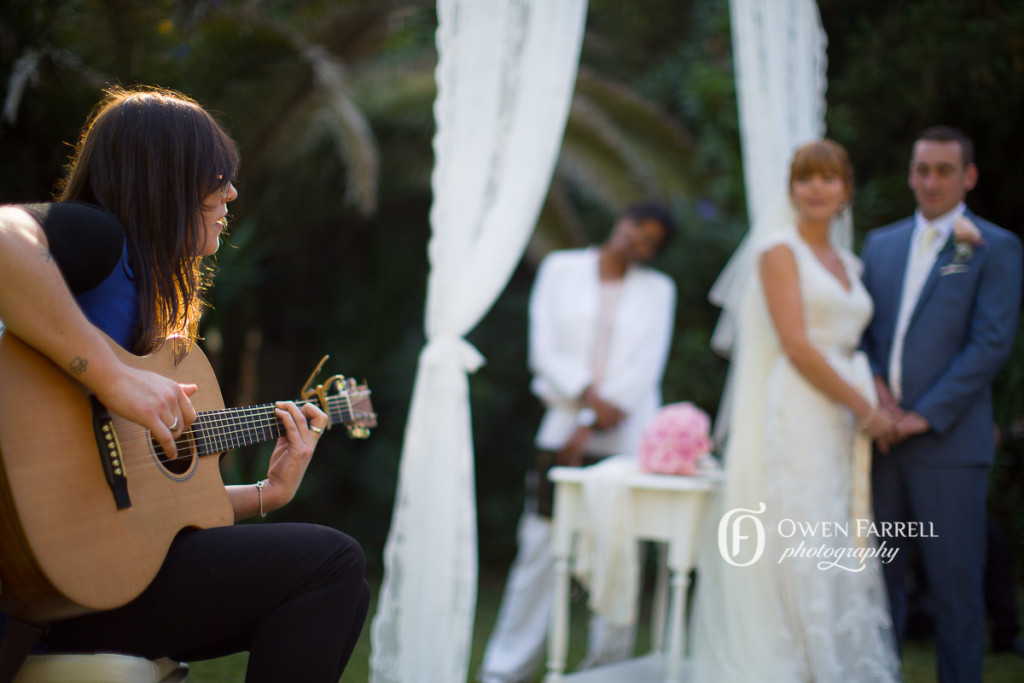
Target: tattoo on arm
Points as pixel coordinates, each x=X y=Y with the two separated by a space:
x=77 y=366
x=47 y=256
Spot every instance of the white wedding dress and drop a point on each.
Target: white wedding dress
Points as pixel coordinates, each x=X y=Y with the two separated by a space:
x=809 y=609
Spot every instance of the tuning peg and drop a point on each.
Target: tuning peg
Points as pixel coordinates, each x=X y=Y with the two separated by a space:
x=357 y=431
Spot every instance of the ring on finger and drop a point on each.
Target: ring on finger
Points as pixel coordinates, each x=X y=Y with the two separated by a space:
x=317 y=430
x=173 y=425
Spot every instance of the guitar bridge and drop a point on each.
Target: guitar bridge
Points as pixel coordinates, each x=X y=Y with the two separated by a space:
x=110 y=453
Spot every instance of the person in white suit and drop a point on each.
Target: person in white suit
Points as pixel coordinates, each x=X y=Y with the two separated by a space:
x=601 y=324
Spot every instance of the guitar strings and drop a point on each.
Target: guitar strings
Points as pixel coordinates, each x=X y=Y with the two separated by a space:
x=189 y=443
x=345 y=414
x=208 y=428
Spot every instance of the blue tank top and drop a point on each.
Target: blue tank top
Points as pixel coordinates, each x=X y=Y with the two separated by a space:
x=112 y=305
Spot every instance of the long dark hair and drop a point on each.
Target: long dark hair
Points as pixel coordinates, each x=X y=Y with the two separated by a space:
x=151 y=157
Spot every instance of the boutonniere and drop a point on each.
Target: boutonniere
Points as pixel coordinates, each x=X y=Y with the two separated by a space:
x=966 y=236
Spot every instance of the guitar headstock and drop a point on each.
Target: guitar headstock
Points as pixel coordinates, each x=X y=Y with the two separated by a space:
x=357 y=413
x=345 y=401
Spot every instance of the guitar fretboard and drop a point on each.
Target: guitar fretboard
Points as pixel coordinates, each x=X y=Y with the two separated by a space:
x=217 y=431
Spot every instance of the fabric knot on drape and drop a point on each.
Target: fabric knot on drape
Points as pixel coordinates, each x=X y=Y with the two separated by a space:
x=505 y=75
x=448 y=351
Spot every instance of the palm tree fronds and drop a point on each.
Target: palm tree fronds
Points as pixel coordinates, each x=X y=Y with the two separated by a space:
x=349 y=128
x=619 y=148
x=648 y=125
x=26 y=69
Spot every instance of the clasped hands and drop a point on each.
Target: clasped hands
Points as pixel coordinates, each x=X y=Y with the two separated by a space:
x=890 y=424
x=607 y=414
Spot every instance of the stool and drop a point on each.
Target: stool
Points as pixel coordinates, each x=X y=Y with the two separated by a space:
x=102 y=667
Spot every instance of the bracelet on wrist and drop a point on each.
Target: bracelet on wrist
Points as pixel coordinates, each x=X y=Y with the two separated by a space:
x=869 y=418
x=259 y=494
x=586 y=417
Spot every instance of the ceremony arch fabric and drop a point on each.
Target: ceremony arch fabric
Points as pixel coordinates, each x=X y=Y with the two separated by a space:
x=505 y=76
x=779 y=65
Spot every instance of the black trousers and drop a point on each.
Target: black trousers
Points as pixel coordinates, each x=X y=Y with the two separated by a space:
x=545 y=490
x=293 y=595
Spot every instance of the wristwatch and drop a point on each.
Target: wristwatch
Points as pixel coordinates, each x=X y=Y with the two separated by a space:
x=586 y=417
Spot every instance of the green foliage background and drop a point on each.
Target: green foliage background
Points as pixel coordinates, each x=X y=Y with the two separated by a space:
x=331 y=105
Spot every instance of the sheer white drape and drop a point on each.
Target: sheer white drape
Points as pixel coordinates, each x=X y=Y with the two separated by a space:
x=505 y=76
x=779 y=62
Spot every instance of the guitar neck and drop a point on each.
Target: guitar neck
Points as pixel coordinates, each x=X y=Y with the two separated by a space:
x=217 y=431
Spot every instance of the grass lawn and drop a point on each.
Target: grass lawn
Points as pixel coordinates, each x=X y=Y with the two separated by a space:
x=918 y=659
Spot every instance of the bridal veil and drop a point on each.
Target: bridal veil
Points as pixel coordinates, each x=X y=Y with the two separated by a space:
x=780 y=63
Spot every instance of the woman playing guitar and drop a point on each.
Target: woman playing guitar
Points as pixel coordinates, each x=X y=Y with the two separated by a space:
x=123 y=251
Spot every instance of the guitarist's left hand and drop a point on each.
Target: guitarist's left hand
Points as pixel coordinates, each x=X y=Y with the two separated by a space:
x=288 y=462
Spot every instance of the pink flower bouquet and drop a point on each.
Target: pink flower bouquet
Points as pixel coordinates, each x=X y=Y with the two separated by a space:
x=675 y=440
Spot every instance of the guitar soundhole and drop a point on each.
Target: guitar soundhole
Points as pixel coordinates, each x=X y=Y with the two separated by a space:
x=181 y=466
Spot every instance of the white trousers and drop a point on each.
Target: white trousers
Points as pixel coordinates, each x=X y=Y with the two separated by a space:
x=517 y=645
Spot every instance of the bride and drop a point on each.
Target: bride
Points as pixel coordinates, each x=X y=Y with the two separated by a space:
x=789 y=586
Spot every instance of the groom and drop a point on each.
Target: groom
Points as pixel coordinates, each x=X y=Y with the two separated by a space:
x=945 y=318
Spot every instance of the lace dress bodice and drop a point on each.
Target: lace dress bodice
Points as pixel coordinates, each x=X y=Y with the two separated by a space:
x=834 y=317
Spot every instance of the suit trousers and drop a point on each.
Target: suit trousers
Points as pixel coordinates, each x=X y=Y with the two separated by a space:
x=953 y=501
x=293 y=595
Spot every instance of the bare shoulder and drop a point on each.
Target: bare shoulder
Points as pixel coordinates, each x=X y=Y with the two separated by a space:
x=15 y=221
x=12 y=214
x=778 y=256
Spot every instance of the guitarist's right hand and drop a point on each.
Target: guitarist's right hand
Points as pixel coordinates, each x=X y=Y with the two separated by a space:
x=36 y=305
x=151 y=400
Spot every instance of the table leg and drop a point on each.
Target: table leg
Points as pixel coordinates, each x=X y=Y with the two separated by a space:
x=659 y=604
x=558 y=638
x=677 y=626
x=561 y=548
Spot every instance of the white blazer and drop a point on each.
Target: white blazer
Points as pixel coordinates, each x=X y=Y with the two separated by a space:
x=563 y=326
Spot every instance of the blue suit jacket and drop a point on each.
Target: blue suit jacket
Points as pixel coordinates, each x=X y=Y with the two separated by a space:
x=959 y=336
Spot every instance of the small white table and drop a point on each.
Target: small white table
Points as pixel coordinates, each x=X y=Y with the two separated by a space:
x=665 y=508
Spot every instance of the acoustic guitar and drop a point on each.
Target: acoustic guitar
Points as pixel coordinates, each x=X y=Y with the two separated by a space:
x=89 y=502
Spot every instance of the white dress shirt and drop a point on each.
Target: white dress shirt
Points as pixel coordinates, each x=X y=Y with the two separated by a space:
x=919 y=264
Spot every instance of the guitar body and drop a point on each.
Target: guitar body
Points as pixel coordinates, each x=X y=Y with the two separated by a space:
x=65 y=547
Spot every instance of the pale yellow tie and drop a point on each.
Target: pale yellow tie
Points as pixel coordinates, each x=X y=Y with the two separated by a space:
x=927 y=238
